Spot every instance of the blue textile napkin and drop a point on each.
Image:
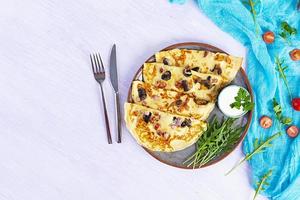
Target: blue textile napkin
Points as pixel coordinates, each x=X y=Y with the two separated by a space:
x=234 y=17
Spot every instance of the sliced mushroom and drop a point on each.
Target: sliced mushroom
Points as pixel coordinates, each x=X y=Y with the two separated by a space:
x=186 y=122
x=187 y=72
x=205 y=54
x=174 y=119
x=166 y=75
x=147 y=117
x=206 y=83
x=200 y=101
x=142 y=94
x=184 y=85
x=166 y=61
x=196 y=69
x=217 y=69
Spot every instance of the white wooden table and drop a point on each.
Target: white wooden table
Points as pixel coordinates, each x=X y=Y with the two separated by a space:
x=52 y=140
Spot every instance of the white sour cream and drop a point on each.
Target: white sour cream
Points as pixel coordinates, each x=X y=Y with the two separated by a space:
x=226 y=97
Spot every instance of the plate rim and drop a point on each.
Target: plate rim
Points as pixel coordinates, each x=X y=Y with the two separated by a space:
x=247 y=83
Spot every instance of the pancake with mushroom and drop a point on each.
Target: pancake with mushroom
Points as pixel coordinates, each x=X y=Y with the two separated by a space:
x=160 y=131
x=168 y=77
x=221 y=64
x=170 y=101
x=181 y=79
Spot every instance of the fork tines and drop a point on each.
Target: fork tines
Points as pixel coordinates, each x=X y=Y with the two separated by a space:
x=99 y=74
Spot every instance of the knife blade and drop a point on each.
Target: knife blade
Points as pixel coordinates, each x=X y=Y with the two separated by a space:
x=113 y=69
x=113 y=72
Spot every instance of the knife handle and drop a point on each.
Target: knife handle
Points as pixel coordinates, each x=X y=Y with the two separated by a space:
x=118 y=117
x=106 y=117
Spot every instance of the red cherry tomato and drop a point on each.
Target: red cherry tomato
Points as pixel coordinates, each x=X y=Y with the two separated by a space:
x=292 y=131
x=295 y=54
x=296 y=103
x=265 y=122
x=269 y=37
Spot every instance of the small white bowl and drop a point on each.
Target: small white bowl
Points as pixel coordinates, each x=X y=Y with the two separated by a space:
x=226 y=97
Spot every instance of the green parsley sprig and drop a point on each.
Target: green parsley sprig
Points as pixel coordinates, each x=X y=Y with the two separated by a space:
x=243 y=99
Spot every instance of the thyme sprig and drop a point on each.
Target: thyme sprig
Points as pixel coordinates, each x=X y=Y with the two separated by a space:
x=261 y=185
x=282 y=69
x=259 y=147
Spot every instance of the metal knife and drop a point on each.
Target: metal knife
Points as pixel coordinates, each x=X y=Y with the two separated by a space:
x=114 y=82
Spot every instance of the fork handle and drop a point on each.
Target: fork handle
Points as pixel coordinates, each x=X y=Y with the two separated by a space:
x=106 y=117
x=118 y=117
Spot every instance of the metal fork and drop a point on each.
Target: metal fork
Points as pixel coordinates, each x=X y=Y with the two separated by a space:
x=99 y=74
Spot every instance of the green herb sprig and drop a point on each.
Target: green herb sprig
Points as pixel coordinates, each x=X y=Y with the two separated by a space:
x=287 y=31
x=259 y=147
x=260 y=186
x=218 y=138
x=278 y=113
x=252 y=4
x=243 y=99
x=282 y=69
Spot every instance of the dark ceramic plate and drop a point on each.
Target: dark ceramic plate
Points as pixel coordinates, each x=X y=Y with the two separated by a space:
x=176 y=159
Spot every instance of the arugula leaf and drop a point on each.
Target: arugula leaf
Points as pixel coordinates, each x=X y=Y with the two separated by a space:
x=259 y=147
x=282 y=69
x=251 y=4
x=287 y=31
x=290 y=30
x=243 y=100
x=277 y=109
x=286 y=120
x=262 y=183
x=219 y=138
